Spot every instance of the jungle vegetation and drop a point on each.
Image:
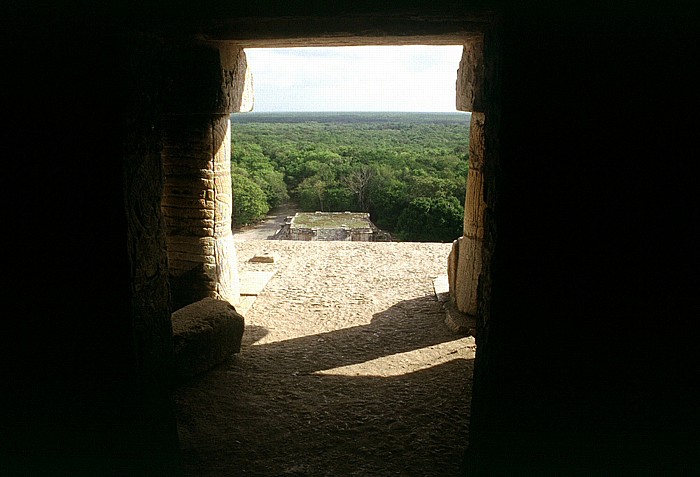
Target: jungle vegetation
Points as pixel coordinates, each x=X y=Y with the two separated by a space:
x=408 y=170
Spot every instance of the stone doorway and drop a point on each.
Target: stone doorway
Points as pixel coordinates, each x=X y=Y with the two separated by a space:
x=221 y=404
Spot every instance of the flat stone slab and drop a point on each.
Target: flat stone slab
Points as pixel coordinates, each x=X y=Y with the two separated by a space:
x=245 y=303
x=264 y=258
x=441 y=286
x=253 y=282
x=205 y=334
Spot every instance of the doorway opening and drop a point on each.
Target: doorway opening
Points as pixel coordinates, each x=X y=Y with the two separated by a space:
x=378 y=378
x=367 y=129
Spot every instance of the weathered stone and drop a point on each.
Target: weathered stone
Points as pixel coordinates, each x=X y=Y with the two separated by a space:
x=441 y=288
x=227 y=283
x=470 y=77
x=238 y=78
x=452 y=260
x=263 y=258
x=208 y=81
x=194 y=247
x=188 y=186
x=209 y=78
x=201 y=257
x=464 y=265
x=474 y=204
x=188 y=212
x=205 y=333
x=186 y=202
x=198 y=202
x=459 y=322
x=329 y=226
x=467 y=275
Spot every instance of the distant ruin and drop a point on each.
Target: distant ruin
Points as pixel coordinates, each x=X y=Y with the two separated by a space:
x=331 y=226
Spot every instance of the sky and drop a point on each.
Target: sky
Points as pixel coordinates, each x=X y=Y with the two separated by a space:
x=355 y=78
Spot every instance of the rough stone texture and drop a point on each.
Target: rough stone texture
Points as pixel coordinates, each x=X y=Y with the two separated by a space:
x=235 y=66
x=197 y=199
x=457 y=321
x=264 y=258
x=197 y=204
x=464 y=263
x=452 y=260
x=205 y=333
x=227 y=284
x=208 y=78
x=150 y=293
x=363 y=23
x=470 y=77
x=329 y=226
x=467 y=275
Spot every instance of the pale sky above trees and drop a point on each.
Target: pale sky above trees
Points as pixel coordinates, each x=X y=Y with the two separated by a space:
x=358 y=78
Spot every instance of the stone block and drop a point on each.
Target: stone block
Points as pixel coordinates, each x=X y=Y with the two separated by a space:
x=227 y=283
x=458 y=322
x=265 y=257
x=470 y=78
x=467 y=275
x=205 y=334
x=441 y=288
x=452 y=260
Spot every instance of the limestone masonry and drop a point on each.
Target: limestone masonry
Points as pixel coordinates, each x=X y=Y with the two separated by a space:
x=331 y=226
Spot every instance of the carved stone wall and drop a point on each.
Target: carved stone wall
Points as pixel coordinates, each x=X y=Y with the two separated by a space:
x=208 y=83
x=464 y=263
x=143 y=172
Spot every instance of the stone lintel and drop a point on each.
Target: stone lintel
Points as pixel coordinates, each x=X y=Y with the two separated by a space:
x=208 y=78
x=406 y=28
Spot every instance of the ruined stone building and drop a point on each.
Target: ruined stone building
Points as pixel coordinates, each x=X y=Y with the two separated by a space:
x=579 y=255
x=329 y=226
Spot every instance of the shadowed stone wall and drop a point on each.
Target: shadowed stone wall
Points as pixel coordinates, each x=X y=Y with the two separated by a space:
x=582 y=363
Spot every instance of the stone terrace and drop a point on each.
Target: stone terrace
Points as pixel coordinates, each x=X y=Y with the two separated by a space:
x=346 y=368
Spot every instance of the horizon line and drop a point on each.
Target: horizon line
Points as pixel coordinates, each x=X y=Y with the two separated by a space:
x=352 y=111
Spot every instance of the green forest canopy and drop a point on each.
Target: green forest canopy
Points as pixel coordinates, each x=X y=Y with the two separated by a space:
x=408 y=170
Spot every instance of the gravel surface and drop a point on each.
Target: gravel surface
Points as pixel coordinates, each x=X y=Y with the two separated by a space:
x=346 y=369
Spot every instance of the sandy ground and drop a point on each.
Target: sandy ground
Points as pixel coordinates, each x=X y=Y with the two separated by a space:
x=346 y=369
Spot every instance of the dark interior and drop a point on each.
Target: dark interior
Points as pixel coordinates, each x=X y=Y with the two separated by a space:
x=589 y=286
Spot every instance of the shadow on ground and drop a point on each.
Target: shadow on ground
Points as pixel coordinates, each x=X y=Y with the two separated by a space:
x=284 y=408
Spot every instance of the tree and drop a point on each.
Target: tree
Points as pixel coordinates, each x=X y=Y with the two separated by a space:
x=249 y=201
x=358 y=182
x=259 y=168
x=272 y=184
x=431 y=219
x=409 y=172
